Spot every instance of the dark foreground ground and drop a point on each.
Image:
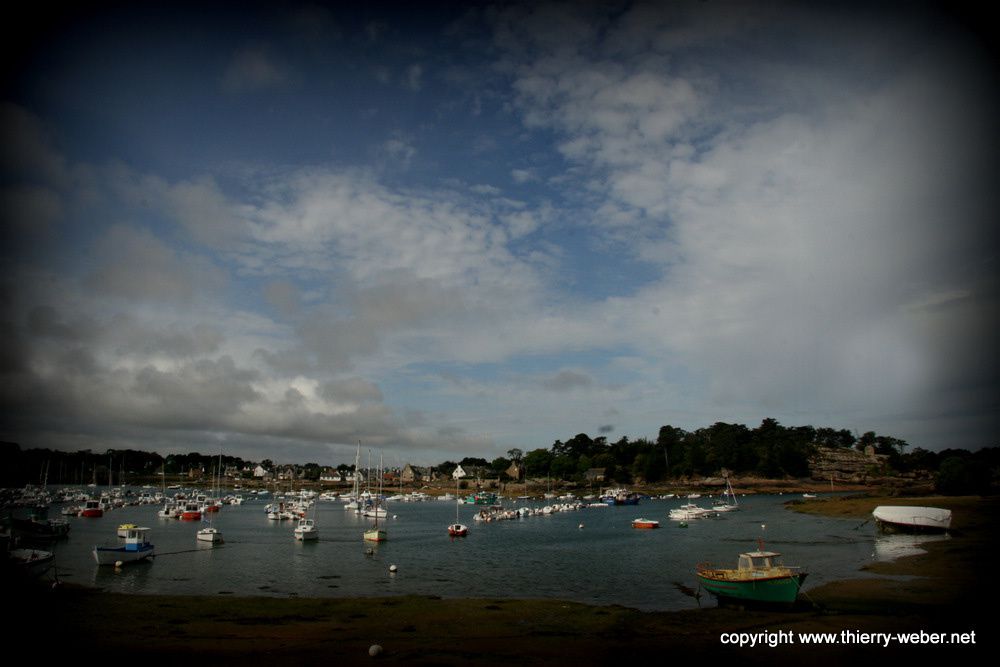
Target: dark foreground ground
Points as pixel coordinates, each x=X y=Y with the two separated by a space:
x=950 y=589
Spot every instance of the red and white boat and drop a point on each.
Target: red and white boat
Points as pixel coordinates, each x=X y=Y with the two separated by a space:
x=92 y=509
x=192 y=512
x=645 y=523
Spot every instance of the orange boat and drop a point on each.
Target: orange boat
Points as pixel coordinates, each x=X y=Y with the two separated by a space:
x=645 y=523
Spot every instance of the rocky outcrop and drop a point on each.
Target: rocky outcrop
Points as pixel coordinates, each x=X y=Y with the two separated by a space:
x=847 y=465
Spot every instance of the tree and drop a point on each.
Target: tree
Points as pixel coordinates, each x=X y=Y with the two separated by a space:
x=499 y=466
x=961 y=475
x=537 y=463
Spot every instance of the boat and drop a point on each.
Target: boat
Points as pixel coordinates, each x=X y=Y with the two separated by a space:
x=40 y=528
x=911 y=519
x=728 y=502
x=645 y=523
x=689 y=511
x=620 y=497
x=124 y=528
x=210 y=535
x=457 y=529
x=759 y=577
x=376 y=534
x=136 y=548
x=92 y=509
x=481 y=498
x=169 y=511
x=306 y=530
x=191 y=512
x=30 y=562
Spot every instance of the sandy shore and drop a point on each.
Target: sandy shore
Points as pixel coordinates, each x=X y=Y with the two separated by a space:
x=932 y=592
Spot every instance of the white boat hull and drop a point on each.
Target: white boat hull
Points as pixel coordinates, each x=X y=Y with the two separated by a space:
x=211 y=535
x=111 y=556
x=912 y=519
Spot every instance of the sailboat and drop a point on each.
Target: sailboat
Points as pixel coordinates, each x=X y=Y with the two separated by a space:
x=457 y=529
x=376 y=534
x=211 y=534
x=728 y=501
x=355 y=503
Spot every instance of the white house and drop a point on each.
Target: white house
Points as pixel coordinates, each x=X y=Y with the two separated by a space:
x=459 y=473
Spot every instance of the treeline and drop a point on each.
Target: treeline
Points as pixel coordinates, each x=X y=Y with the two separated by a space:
x=112 y=466
x=770 y=450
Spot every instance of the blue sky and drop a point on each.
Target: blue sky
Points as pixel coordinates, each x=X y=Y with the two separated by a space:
x=453 y=230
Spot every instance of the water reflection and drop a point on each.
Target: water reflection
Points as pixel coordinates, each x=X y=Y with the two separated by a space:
x=891 y=547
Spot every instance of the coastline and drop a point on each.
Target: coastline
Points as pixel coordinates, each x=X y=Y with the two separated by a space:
x=928 y=592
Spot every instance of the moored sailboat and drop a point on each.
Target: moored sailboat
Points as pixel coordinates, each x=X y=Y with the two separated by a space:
x=376 y=534
x=457 y=529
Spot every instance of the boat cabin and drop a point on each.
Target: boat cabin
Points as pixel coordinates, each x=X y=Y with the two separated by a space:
x=135 y=538
x=759 y=561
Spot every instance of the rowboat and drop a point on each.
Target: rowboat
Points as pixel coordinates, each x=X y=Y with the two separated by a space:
x=911 y=519
x=30 y=562
x=759 y=577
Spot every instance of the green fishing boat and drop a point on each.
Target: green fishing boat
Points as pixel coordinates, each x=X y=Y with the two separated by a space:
x=758 y=578
x=480 y=498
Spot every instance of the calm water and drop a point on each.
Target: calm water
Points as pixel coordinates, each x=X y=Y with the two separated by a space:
x=604 y=562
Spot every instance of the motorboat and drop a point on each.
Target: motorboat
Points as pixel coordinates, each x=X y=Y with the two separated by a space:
x=136 y=548
x=210 y=535
x=759 y=577
x=645 y=523
x=306 y=530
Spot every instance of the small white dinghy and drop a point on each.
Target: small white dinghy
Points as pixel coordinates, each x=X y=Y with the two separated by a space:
x=911 y=519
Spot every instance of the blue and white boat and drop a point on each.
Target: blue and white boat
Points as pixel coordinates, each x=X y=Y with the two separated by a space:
x=135 y=548
x=620 y=497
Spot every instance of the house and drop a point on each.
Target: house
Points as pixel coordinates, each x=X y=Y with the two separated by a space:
x=260 y=472
x=594 y=475
x=478 y=472
x=330 y=475
x=515 y=471
x=413 y=473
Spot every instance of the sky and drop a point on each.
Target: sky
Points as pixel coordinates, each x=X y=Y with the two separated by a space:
x=441 y=230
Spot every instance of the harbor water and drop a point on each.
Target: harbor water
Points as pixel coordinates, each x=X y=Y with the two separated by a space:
x=591 y=555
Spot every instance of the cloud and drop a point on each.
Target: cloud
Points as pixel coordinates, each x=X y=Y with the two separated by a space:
x=28 y=153
x=790 y=228
x=414 y=77
x=567 y=380
x=133 y=264
x=254 y=69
